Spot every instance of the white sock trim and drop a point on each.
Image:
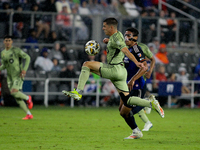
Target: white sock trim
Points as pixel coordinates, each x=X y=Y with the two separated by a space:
x=28 y=112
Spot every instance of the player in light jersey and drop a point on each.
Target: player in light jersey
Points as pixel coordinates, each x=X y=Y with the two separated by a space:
x=11 y=60
x=114 y=69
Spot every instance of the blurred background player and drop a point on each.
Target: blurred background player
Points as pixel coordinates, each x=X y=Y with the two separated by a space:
x=11 y=60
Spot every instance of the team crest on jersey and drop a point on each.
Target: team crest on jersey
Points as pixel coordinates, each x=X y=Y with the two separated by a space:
x=11 y=61
x=139 y=55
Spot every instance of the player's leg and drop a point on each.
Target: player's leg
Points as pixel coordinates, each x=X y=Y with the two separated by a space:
x=117 y=74
x=88 y=66
x=14 y=87
x=140 y=110
x=126 y=113
x=148 y=125
x=22 y=105
x=132 y=100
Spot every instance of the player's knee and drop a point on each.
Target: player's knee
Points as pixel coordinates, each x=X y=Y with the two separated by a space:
x=86 y=63
x=13 y=92
x=18 y=102
x=124 y=98
x=124 y=114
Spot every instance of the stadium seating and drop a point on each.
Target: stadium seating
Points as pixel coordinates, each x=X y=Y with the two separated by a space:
x=72 y=54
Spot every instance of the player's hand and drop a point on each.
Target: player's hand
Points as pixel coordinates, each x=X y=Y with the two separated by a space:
x=130 y=84
x=106 y=40
x=23 y=74
x=141 y=65
x=148 y=75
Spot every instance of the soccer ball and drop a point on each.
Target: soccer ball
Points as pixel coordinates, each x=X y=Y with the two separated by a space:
x=92 y=47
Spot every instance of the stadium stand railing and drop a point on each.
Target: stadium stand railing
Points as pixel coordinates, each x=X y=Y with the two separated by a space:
x=46 y=91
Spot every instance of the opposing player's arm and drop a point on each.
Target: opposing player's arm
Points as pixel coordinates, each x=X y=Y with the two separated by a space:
x=132 y=57
x=150 y=56
x=152 y=64
x=139 y=74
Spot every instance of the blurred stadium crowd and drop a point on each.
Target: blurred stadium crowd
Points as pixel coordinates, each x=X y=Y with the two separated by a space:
x=49 y=24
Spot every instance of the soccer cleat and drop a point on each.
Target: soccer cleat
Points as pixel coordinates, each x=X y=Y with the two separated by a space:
x=135 y=135
x=28 y=117
x=147 y=126
x=156 y=106
x=29 y=102
x=74 y=94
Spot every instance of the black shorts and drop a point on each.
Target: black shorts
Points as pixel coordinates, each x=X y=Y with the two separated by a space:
x=139 y=93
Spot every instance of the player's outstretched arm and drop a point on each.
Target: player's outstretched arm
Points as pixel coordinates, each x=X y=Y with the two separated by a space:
x=152 y=64
x=131 y=57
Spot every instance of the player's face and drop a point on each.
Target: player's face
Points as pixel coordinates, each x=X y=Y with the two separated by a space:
x=127 y=36
x=106 y=28
x=8 y=43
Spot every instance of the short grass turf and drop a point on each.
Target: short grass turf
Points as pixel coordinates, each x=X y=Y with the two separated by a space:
x=65 y=128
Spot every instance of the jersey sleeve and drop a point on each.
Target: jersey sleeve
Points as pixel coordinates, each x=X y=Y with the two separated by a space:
x=138 y=53
x=25 y=56
x=119 y=41
x=147 y=51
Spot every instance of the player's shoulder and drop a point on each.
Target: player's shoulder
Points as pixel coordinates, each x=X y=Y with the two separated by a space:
x=16 y=48
x=118 y=35
x=136 y=49
x=3 y=50
x=142 y=45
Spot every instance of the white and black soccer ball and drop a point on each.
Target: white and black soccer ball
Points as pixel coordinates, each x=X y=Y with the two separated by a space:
x=92 y=47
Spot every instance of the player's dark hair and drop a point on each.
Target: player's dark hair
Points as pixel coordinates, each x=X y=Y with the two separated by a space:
x=111 y=21
x=7 y=37
x=133 y=30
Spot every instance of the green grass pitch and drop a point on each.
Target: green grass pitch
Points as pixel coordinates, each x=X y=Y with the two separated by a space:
x=65 y=128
